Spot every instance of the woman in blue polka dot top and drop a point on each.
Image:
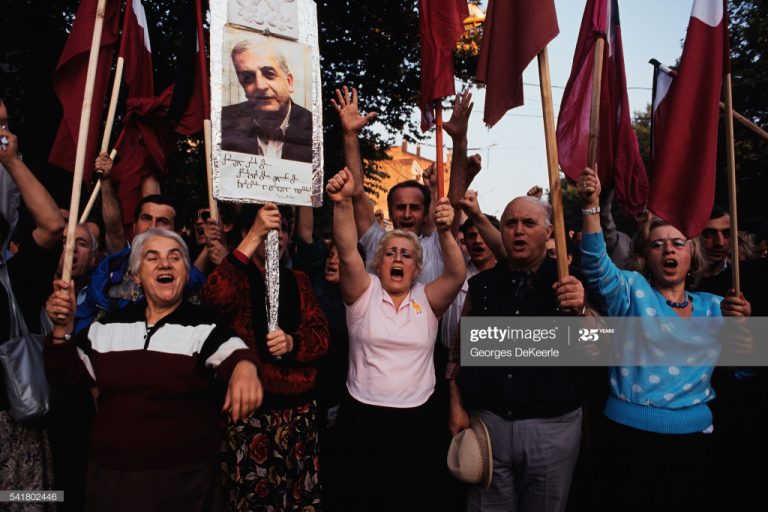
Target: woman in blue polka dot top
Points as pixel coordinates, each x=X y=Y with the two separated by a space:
x=658 y=417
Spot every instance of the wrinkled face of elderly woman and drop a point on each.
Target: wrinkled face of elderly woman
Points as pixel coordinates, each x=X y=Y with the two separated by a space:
x=668 y=256
x=399 y=265
x=162 y=271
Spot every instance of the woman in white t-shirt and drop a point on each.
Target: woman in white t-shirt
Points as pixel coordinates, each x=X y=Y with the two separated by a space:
x=392 y=426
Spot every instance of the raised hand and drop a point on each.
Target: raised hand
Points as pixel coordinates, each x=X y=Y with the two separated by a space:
x=535 y=191
x=103 y=166
x=470 y=204
x=588 y=186
x=429 y=177
x=352 y=122
x=341 y=187
x=456 y=126
x=443 y=214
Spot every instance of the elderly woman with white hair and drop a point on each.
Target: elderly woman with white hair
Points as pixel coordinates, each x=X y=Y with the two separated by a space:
x=157 y=431
x=391 y=419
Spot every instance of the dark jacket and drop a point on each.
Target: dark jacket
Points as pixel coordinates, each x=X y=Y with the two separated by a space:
x=239 y=132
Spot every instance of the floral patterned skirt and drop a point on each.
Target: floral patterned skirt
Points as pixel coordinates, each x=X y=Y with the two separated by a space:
x=272 y=461
x=25 y=461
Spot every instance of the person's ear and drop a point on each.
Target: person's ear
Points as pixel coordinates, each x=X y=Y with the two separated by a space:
x=290 y=82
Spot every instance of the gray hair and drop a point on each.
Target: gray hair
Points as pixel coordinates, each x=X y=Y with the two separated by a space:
x=378 y=255
x=91 y=238
x=134 y=262
x=248 y=45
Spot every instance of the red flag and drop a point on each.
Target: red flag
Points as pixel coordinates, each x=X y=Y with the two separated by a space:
x=146 y=139
x=618 y=155
x=69 y=83
x=440 y=26
x=150 y=122
x=136 y=50
x=515 y=32
x=685 y=124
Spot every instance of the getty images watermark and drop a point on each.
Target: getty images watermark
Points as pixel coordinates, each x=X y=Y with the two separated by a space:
x=605 y=341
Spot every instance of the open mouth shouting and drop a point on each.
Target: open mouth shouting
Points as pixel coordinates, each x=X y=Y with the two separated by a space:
x=669 y=263
x=397 y=272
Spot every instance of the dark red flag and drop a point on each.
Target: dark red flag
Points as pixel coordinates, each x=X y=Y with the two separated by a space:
x=440 y=26
x=685 y=124
x=515 y=32
x=618 y=155
x=136 y=50
x=150 y=122
x=69 y=83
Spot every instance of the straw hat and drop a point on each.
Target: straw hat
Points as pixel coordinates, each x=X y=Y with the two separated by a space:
x=470 y=456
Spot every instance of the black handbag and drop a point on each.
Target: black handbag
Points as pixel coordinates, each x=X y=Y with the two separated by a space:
x=21 y=358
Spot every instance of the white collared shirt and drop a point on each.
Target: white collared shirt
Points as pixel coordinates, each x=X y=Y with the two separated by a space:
x=272 y=148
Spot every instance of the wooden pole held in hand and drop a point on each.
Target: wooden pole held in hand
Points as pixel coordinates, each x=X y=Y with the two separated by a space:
x=94 y=194
x=555 y=195
x=731 y=160
x=439 y=150
x=85 y=119
x=594 y=113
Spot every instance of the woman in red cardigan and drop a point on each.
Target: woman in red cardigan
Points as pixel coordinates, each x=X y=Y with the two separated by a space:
x=272 y=456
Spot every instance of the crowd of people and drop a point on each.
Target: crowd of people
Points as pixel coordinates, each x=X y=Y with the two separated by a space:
x=170 y=390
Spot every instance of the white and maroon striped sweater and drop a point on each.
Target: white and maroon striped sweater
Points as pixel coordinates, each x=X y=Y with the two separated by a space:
x=159 y=401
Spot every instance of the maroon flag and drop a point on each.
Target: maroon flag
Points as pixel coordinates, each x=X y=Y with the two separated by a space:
x=685 y=124
x=150 y=122
x=69 y=83
x=440 y=26
x=618 y=155
x=145 y=141
x=136 y=51
x=515 y=32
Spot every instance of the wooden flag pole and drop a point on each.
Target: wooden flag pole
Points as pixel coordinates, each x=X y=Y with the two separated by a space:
x=94 y=194
x=594 y=113
x=212 y=204
x=107 y=133
x=746 y=122
x=82 y=140
x=439 y=150
x=112 y=104
x=731 y=155
x=555 y=194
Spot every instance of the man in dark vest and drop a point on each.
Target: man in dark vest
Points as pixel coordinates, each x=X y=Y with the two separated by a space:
x=533 y=415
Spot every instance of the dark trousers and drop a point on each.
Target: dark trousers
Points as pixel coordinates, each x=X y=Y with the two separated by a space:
x=392 y=456
x=190 y=487
x=648 y=471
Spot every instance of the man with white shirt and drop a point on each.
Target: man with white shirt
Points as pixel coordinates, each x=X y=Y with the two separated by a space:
x=269 y=123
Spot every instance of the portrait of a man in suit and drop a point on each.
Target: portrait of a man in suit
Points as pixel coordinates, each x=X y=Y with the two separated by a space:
x=269 y=123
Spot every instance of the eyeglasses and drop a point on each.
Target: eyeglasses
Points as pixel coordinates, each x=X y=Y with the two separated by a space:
x=203 y=215
x=712 y=232
x=660 y=243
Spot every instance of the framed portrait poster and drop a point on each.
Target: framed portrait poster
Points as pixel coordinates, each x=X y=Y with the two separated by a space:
x=266 y=110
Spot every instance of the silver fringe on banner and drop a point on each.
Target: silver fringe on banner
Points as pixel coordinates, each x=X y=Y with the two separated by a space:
x=272 y=252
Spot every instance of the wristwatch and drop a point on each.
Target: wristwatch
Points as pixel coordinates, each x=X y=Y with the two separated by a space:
x=590 y=211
